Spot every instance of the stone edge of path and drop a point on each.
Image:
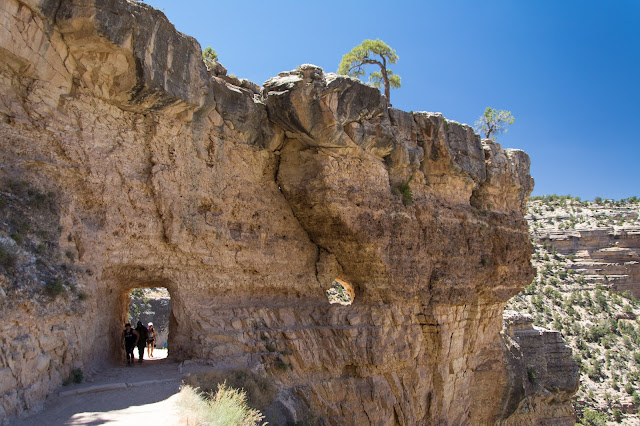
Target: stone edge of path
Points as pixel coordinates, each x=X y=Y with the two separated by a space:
x=114 y=386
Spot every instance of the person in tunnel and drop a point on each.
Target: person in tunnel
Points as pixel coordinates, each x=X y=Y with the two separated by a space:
x=142 y=339
x=151 y=340
x=129 y=341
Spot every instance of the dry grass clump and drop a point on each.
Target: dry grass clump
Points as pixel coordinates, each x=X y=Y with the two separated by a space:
x=260 y=391
x=224 y=407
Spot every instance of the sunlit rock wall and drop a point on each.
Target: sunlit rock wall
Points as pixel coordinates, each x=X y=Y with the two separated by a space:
x=246 y=206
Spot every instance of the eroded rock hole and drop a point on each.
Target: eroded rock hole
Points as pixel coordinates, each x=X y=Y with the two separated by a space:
x=341 y=292
x=152 y=308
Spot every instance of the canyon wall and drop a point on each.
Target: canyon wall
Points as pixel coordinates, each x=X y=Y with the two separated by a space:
x=247 y=204
x=605 y=254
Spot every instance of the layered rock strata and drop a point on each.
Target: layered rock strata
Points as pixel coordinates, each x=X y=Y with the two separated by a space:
x=542 y=371
x=608 y=255
x=246 y=206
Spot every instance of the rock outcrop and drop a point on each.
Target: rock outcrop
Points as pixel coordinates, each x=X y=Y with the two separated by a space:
x=541 y=371
x=247 y=206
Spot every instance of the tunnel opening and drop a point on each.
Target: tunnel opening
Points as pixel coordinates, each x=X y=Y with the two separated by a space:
x=141 y=305
x=151 y=308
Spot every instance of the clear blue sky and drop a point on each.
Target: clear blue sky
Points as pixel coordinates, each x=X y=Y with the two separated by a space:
x=568 y=70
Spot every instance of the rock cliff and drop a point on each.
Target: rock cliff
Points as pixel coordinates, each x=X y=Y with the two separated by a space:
x=246 y=205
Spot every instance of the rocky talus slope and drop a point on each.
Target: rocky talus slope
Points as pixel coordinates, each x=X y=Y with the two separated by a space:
x=246 y=204
x=586 y=287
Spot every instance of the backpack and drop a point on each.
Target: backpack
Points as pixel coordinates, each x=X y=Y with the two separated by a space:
x=143 y=332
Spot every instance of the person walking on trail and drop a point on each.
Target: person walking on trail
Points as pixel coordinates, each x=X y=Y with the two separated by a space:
x=151 y=340
x=142 y=341
x=129 y=341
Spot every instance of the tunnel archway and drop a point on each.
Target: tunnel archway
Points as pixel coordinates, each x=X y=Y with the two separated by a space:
x=151 y=308
x=118 y=304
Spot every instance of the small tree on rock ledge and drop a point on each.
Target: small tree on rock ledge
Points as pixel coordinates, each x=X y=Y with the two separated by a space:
x=372 y=52
x=494 y=122
x=209 y=56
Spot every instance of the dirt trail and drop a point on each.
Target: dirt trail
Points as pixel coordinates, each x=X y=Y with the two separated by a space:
x=141 y=394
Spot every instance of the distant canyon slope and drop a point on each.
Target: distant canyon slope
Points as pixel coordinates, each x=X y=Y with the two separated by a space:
x=246 y=203
x=602 y=239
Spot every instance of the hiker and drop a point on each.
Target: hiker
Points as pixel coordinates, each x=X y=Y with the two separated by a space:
x=142 y=342
x=151 y=340
x=129 y=341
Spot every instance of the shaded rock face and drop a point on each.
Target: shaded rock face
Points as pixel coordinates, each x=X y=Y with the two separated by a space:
x=247 y=207
x=542 y=373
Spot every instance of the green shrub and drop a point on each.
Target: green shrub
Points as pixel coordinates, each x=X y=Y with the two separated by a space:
x=617 y=414
x=225 y=406
x=531 y=288
x=405 y=190
x=209 y=57
x=37 y=199
x=595 y=370
x=137 y=292
x=601 y=299
x=76 y=376
x=17 y=237
x=83 y=296
x=531 y=374
x=593 y=418
x=7 y=259
x=597 y=332
x=260 y=391
x=280 y=364
x=629 y=388
x=55 y=287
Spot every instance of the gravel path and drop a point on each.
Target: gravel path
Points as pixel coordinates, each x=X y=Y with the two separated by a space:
x=119 y=395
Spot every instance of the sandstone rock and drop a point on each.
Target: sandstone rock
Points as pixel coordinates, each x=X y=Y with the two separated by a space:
x=505 y=169
x=245 y=208
x=218 y=69
x=548 y=375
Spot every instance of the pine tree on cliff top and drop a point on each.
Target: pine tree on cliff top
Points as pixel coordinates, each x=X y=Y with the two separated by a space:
x=209 y=56
x=372 y=52
x=494 y=122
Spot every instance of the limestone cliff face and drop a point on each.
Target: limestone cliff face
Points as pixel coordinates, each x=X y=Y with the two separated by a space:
x=246 y=206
